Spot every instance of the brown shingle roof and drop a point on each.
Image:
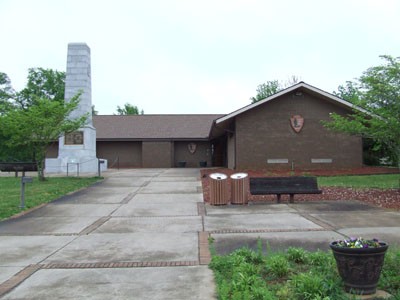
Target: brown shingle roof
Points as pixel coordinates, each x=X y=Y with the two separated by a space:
x=141 y=127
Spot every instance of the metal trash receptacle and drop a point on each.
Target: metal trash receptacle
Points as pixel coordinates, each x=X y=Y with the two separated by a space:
x=239 y=188
x=219 y=189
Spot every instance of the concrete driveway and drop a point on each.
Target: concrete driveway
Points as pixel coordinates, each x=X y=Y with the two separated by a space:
x=143 y=234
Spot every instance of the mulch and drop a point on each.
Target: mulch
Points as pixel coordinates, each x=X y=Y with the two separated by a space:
x=388 y=198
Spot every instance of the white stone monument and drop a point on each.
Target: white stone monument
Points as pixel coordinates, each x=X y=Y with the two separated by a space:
x=77 y=150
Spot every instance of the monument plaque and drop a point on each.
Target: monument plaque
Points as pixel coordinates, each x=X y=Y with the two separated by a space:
x=74 y=138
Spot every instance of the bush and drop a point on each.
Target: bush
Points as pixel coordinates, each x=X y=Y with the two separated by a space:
x=309 y=286
x=318 y=258
x=238 y=276
x=277 y=266
x=296 y=255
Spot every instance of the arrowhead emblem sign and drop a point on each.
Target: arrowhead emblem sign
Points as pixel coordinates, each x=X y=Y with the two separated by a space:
x=297 y=123
x=192 y=148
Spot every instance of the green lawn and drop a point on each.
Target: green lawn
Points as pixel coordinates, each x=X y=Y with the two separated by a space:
x=387 y=181
x=37 y=192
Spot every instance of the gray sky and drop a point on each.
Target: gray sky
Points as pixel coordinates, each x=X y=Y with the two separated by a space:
x=209 y=56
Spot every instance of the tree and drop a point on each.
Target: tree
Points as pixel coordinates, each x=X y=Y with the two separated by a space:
x=42 y=83
x=6 y=93
x=292 y=80
x=38 y=125
x=265 y=90
x=128 y=109
x=269 y=88
x=349 y=92
x=378 y=93
x=35 y=117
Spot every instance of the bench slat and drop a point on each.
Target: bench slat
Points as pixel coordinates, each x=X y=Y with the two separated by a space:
x=284 y=185
x=17 y=166
x=284 y=192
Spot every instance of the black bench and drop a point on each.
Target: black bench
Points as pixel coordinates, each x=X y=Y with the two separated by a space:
x=18 y=167
x=284 y=185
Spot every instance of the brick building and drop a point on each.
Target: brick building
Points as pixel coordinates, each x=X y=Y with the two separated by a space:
x=281 y=131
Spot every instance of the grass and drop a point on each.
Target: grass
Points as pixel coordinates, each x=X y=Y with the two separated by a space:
x=386 y=181
x=295 y=274
x=37 y=192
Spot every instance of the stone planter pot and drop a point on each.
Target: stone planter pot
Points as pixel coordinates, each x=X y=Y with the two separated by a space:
x=360 y=268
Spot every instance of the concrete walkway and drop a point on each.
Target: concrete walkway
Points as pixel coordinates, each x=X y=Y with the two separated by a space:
x=142 y=234
x=134 y=236
x=310 y=225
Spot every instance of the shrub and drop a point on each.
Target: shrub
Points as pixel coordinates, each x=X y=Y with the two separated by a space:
x=296 y=255
x=277 y=266
x=238 y=276
x=249 y=256
x=308 y=286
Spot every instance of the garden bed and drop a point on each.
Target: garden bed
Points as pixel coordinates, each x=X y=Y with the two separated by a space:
x=293 y=274
x=387 y=198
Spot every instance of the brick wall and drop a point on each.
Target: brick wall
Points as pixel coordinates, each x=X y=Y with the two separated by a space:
x=122 y=154
x=157 y=154
x=264 y=133
x=202 y=153
x=231 y=144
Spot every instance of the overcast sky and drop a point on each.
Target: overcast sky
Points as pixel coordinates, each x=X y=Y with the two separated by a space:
x=209 y=56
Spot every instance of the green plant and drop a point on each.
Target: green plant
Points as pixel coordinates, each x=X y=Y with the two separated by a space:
x=309 y=286
x=249 y=256
x=211 y=246
x=390 y=276
x=259 y=247
x=284 y=292
x=320 y=259
x=277 y=266
x=238 y=276
x=297 y=255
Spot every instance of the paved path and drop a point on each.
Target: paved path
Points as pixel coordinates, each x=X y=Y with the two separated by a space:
x=134 y=236
x=311 y=225
x=142 y=234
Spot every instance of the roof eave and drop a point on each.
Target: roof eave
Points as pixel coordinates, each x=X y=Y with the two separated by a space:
x=173 y=139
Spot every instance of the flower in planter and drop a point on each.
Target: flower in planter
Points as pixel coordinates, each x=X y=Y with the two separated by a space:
x=359 y=262
x=358 y=243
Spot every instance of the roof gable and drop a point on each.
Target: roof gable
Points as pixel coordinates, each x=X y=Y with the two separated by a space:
x=302 y=86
